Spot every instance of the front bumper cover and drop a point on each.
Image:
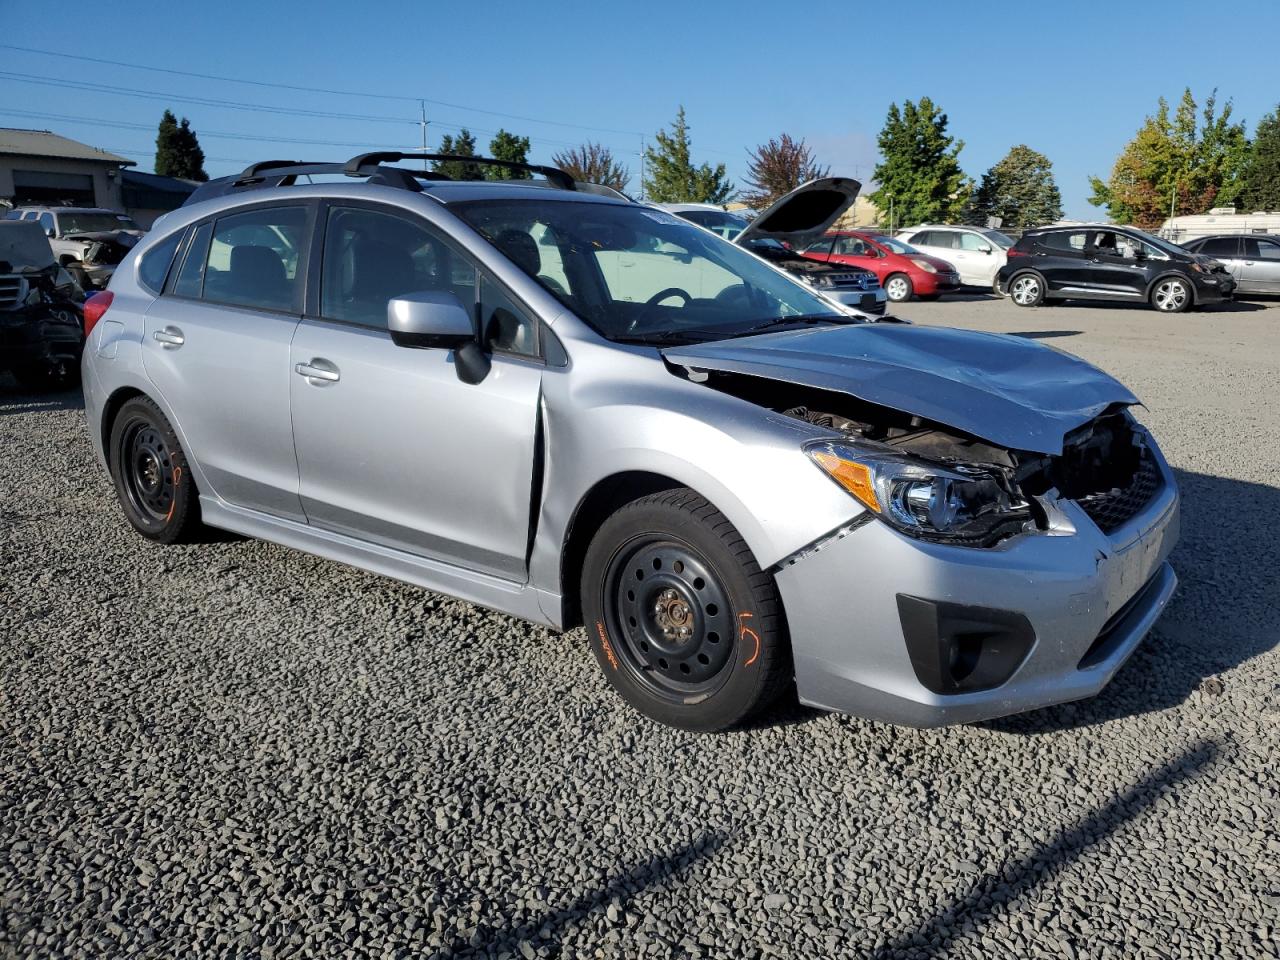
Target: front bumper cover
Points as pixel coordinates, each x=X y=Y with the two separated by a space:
x=1087 y=597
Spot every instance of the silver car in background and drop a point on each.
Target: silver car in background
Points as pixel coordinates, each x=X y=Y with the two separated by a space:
x=730 y=483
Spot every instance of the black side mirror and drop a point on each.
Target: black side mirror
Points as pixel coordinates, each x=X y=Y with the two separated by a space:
x=435 y=319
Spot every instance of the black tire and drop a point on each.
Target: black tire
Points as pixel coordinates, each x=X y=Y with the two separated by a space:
x=152 y=479
x=1027 y=289
x=898 y=288
x=684 y=623
x=1171 y=295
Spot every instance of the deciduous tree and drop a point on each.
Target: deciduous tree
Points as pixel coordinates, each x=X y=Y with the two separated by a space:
x=593 y=163
x=671 y=177
x=178 y=152
x=1020 y=190
x=778 y=167
x=919 y=175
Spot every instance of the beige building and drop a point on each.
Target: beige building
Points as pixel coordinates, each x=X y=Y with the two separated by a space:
x=39 y=167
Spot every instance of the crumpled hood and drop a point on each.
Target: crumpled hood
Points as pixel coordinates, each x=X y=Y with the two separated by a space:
x=126 y=238
x=1004 y=389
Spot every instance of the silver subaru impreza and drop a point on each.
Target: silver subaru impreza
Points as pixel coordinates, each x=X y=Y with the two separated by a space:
x=542 y=397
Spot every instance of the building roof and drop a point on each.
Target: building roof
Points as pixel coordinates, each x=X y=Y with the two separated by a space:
x=43 y=143
x=153 y=181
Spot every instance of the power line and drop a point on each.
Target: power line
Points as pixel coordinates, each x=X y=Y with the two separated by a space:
x=302 y=89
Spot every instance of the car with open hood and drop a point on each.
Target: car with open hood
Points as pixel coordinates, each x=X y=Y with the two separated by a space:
x=791 y=224
x=735 y=486
x=87 y=241
x=41 y=331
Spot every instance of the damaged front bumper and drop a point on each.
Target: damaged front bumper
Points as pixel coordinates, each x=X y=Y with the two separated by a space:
x=40 y=337
x=924 y=634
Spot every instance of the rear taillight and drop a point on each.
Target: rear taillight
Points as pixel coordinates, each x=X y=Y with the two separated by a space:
x=1015 y=252
x=94 y=308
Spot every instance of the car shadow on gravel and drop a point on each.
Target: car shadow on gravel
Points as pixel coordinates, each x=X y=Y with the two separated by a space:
x=1045 y=334
x=14 y=400
x=543 y=932
x=1225 y=611
x=1000 y=889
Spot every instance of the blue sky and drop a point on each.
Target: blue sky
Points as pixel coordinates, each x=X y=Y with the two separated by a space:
x=1073 y=80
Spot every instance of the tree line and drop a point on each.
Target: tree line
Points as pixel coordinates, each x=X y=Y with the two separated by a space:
x=1179 y=162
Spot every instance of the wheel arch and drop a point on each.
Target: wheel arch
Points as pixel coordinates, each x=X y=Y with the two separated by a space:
x=1173 y=275
x=110 y=409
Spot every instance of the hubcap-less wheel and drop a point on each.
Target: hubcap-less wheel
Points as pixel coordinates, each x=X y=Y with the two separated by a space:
x=674 y=617
x=149 y=472
x=1171 y=296
x=1025 y=291
x=897 y=289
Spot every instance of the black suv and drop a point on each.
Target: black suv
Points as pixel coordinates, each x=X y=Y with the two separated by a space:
x=1110 y=263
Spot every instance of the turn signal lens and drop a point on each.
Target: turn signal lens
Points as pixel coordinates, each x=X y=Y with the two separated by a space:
x=854 y=477
x=94 y=308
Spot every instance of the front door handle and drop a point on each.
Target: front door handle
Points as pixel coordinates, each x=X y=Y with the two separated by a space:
x=171 y=337
x=318 y=369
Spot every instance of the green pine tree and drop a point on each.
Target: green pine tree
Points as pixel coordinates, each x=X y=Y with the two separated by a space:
x=1259 y=180
x=919 y=175
x=178 y=152
x=1020 y=190
x=463 y=145
x=671 y=177
x=507 y=146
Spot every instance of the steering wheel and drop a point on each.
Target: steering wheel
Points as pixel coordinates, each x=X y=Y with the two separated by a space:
x=638 y=321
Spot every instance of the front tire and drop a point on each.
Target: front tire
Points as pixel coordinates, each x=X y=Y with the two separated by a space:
x=898 y=288
x=152 y=479
x=1027 y=290
x=684 y=623
x=1171 y=295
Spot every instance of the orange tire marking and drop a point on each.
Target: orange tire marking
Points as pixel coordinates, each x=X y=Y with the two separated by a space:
x=608 y=650
x=743 y=632
x=177 y=473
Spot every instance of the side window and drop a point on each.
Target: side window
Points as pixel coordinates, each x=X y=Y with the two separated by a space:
x=972 y=241
x=1062 y=240
x=190 y=280
x=825 y=246
x=13 y=215
x=254 y=259
x=507 y=327
x=1261 y=249
x=46 y=222
x=154 y=266
x=1226 y=247
x=371 y=256
x=925 y=238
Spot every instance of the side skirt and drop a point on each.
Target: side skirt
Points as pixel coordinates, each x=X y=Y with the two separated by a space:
x=505 y=596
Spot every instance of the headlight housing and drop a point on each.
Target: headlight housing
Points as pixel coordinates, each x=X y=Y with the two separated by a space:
x=948 y=503
x=924 y=265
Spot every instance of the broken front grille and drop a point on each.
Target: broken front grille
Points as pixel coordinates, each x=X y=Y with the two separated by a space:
x=1111 y=509
x=11 y=292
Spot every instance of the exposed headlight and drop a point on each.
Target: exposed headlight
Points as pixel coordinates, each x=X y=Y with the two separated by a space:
x=933 y=501
x=924 y=265
x=818 y=280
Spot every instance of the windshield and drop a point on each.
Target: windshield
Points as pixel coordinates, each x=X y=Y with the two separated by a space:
x=1164 y=246
x=639 y=275
x=69 y=223
x=1001 y=239
x=717 y=221
x=897 y=246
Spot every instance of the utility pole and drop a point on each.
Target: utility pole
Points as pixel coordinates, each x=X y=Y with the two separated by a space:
x=422 y=107
x=642 y=153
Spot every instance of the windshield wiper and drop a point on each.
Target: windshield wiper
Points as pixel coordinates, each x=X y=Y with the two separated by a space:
x=803 y=319
x=675 y=336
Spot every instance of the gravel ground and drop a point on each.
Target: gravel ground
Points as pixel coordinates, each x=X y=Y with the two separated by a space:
x=232 y=749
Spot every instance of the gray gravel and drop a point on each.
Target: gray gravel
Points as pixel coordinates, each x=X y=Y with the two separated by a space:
x=232 y=749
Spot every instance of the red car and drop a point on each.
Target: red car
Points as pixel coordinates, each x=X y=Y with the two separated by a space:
x=904 y=271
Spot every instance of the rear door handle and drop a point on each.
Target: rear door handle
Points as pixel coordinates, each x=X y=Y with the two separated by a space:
x=171 y=337
x=318 y=369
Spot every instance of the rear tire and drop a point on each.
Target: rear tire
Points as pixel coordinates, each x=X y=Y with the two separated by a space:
x=1027 y=290
x=151 y=475
x=1171 y=295
x=683 y=622
x=898 y=288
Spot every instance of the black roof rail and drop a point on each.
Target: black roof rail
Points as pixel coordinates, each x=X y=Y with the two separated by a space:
x=360 y=163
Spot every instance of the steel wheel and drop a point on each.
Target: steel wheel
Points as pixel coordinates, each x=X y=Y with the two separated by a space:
x=897 y=288
x=673 y=615
x=1171 y=296
x=149 y=469
x=149 y=472
x=1026 y=290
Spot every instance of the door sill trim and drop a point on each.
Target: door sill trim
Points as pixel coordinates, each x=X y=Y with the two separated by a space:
x=505 y=596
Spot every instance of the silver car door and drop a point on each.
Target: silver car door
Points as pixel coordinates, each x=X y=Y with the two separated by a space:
x=1260 y=265
x=392 y=447
x=216 y=345
x=1226 y=250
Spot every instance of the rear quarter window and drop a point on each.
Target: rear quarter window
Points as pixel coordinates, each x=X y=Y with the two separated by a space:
x=155 y=263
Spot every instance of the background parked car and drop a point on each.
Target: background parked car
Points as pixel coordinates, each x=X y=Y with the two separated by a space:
x=88 y=241
x=1254 y=262
x=976 y=252
x=41 y=324
x=1104 y=262
x=903 y=270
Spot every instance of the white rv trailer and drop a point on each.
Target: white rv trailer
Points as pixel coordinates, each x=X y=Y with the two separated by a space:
x=1218 y=221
